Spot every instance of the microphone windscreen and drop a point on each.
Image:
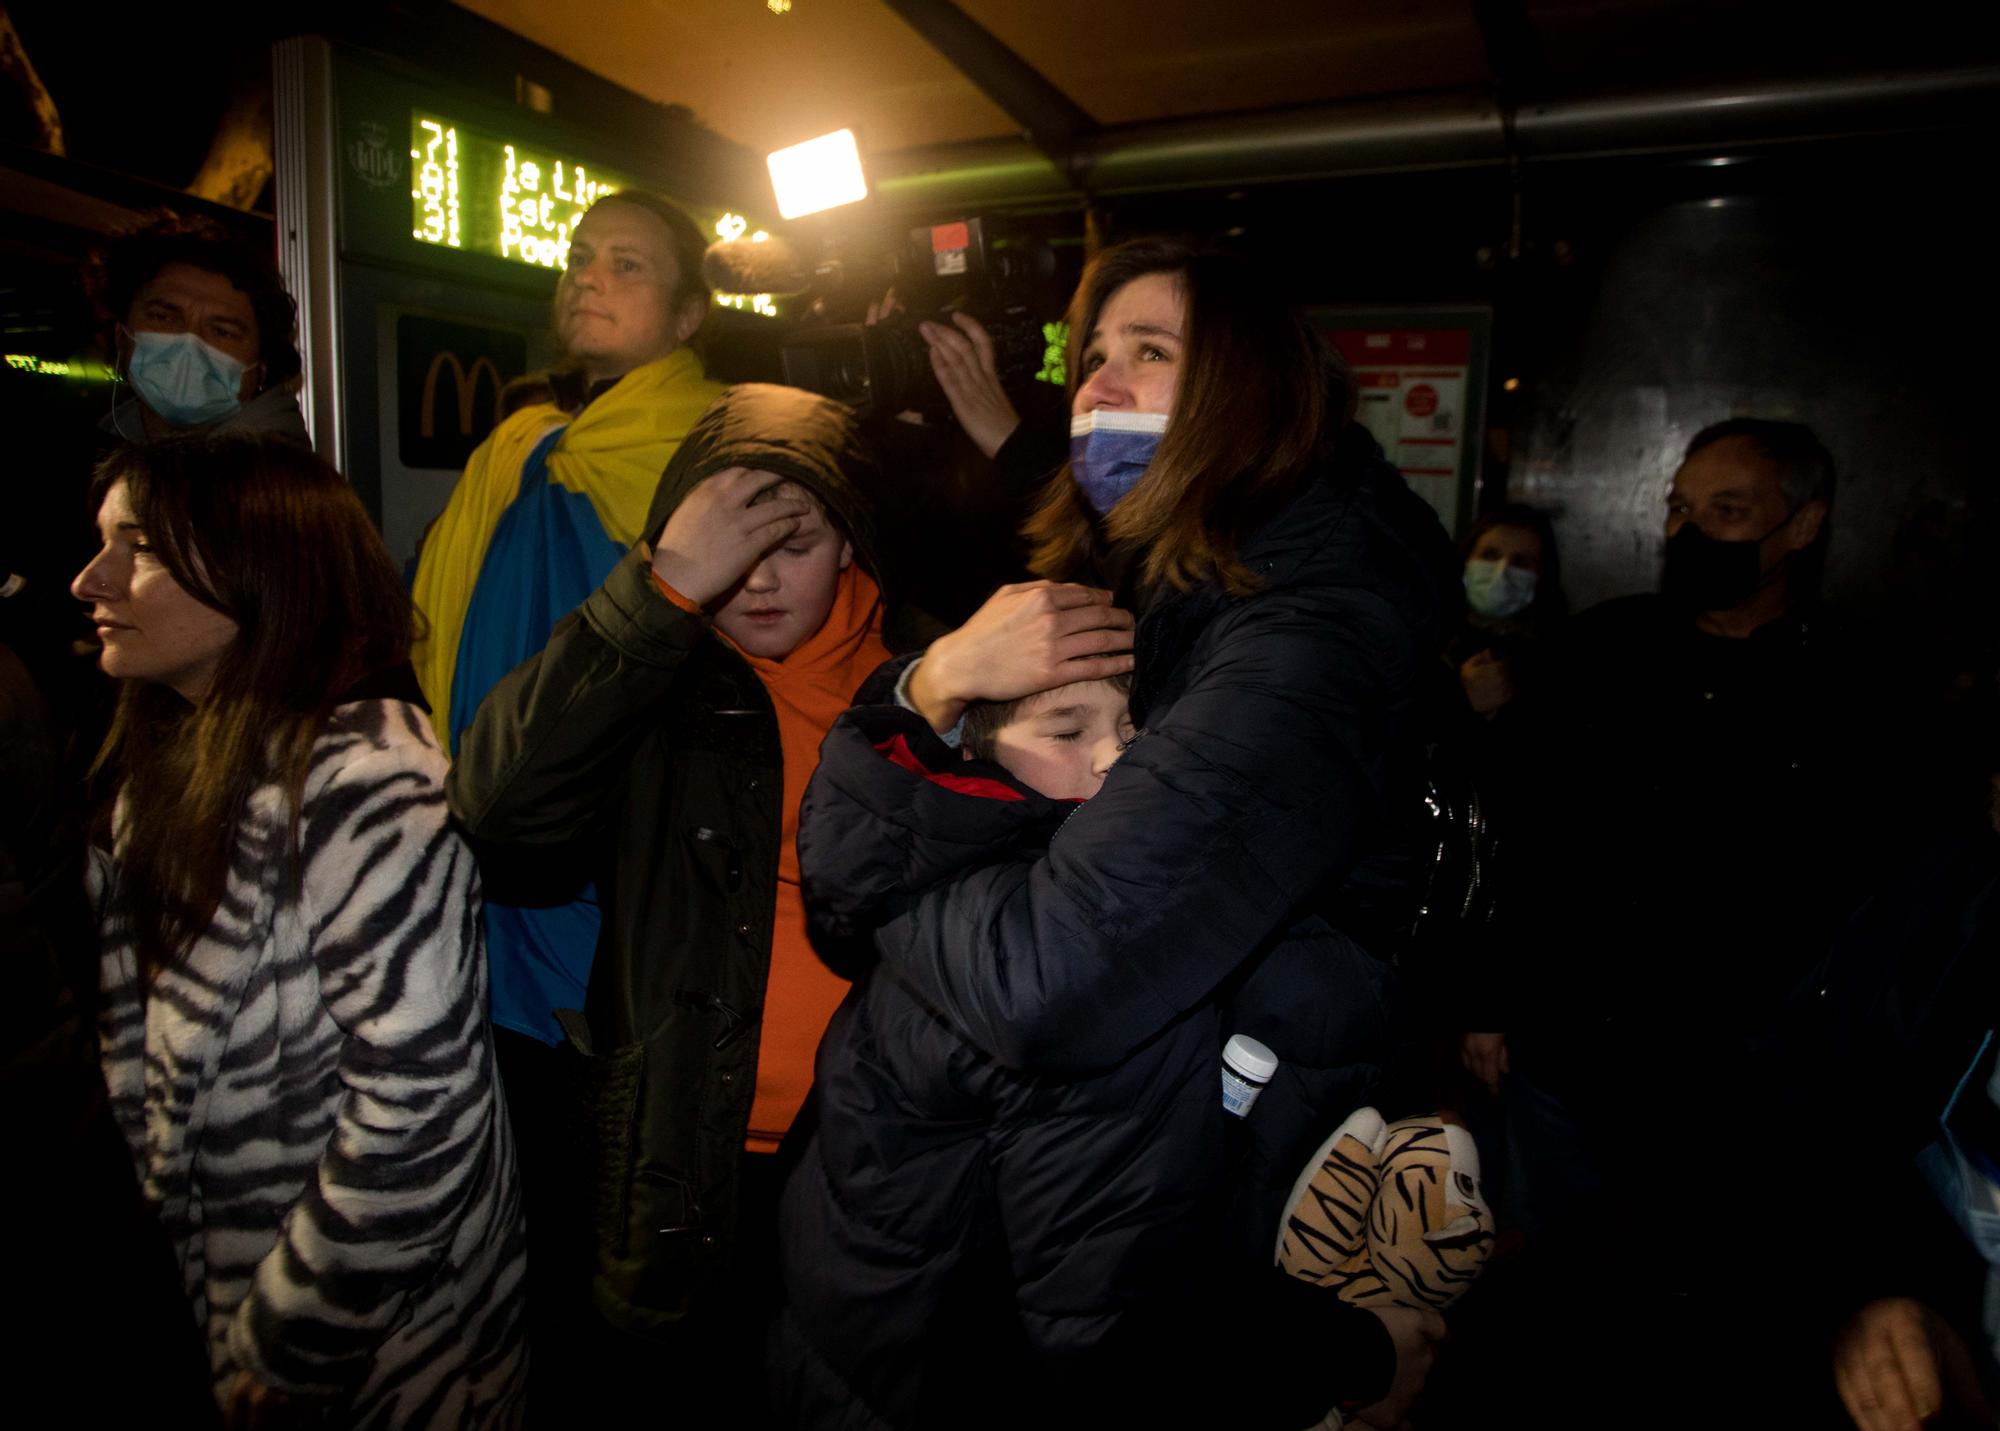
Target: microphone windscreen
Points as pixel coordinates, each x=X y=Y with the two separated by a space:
x=755 y=266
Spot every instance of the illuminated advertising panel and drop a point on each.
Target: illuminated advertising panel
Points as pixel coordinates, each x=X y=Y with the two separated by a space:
x=1420 y=388
x=484 y=194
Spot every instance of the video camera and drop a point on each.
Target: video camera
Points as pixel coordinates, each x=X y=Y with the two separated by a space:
x=884 y=368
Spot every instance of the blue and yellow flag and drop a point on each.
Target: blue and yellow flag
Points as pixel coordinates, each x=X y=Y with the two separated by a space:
x=610 y=456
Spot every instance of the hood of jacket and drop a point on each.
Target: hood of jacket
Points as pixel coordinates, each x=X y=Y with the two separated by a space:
x=913 y=807
x=812 y=440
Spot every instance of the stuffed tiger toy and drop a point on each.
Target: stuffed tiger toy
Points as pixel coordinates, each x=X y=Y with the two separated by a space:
x=1389 y=1214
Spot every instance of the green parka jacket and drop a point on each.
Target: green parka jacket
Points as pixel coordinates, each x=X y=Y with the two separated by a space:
x=638 y=750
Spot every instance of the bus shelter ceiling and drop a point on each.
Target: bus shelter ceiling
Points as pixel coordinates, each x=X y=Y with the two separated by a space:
x=767 y=79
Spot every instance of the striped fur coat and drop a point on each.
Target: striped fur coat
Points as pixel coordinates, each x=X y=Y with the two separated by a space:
x=311 y=1100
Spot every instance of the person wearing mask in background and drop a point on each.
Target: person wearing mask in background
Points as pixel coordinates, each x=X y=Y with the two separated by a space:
x=202 y=330
x=1719 y=770
x=1514 y=602
x=1515 y=609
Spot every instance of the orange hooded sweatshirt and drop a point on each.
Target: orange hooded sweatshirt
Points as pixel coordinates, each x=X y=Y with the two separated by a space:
x=809 y=689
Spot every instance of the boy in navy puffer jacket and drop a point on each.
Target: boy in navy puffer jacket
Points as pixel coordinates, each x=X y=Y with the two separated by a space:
x=967 y=1244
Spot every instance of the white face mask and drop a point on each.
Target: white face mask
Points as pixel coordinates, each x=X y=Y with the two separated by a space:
x=186 y=381
x=1496 y=590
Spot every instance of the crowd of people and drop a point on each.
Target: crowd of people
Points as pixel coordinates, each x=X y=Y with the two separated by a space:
x=1260 y=966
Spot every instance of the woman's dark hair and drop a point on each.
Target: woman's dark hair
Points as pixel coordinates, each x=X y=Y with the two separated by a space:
x=266 y=533
x=127 y=262
x=1247 y=416
x=1550 y=598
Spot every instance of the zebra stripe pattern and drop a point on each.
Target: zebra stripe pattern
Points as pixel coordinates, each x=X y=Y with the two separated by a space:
x=311 y=1100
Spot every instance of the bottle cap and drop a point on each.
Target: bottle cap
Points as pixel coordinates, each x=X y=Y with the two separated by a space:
x=1249 y=1057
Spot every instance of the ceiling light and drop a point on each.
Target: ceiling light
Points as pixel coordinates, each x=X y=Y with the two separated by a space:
x=821 y=173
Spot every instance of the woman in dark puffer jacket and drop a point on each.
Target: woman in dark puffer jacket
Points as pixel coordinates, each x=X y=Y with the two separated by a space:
x=1290 y=595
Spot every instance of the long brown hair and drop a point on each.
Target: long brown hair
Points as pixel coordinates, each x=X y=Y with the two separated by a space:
x=266 y=533
x=1246 y=422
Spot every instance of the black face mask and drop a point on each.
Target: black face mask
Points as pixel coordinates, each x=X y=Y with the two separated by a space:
x=1704 y=574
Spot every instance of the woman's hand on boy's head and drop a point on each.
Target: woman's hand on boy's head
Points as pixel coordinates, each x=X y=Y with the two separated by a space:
x=715 y=535
x=1026 y=638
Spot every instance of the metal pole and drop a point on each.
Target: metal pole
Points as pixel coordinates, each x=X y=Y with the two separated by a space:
x=308 y=245
x=1439 y=131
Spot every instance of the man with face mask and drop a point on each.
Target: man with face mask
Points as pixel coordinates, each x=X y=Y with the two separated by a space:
x=199 y=329
x=1744 y=520
x=1720 y=770
x=1723 y=704
x=201 y=333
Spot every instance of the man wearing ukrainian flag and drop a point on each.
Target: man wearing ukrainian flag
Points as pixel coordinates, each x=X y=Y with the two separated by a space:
x=547 y=506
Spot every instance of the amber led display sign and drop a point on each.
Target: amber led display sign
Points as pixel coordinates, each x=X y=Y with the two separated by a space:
x=484 y=194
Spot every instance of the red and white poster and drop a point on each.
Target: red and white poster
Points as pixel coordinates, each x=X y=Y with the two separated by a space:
x=1412 y=384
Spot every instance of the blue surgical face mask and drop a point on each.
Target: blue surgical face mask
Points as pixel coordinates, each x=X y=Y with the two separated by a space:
x=184 y=380
x=1110 y=451
x=1495 y=589
x=1964 y=1179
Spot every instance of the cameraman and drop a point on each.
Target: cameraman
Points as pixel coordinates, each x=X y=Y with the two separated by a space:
x=962 y=500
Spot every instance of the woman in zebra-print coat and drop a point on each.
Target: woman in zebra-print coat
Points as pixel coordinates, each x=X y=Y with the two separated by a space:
x=294 y=1023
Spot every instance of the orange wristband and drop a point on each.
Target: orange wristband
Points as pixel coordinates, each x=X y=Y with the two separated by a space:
x=692 y=608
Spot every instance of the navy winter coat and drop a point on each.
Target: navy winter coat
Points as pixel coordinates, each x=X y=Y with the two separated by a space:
x=1024 y=1094
x=946 y=1202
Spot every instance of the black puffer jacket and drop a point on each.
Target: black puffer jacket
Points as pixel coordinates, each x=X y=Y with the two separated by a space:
x=1068 y=1005
x=638 y=750
x=923 y=1214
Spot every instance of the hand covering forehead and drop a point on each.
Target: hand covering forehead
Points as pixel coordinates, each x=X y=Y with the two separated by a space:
x=802 y=437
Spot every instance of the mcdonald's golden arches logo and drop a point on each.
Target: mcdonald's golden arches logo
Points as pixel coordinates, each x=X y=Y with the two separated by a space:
x=465 y=387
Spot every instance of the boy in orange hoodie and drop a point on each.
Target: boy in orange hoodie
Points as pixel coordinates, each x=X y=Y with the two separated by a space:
x=656 y=751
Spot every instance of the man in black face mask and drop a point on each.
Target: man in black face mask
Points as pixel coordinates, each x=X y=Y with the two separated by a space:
x=1698 y=791
x=1744 y=520
x=1723 y=771
x=1716 y=773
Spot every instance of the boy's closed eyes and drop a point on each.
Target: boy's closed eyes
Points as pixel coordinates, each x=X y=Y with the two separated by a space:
x=1062 y=743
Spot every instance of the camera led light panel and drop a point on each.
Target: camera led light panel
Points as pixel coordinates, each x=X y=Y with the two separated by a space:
x=821 y=173
x=482 y=193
